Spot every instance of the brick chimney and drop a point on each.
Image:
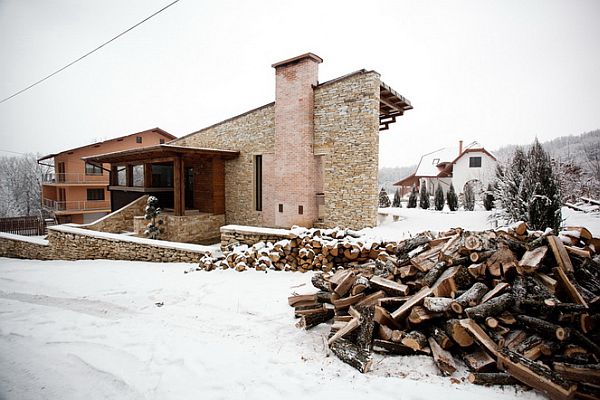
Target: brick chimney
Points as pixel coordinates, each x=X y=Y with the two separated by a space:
x=295 y=200
x=460 y=147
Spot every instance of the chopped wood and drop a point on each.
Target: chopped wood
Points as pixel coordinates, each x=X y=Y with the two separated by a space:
x=311 y=320
x=443 y=359
x=446 y=285
x=391 y=288
x=437 y=304
x=384 y=346
x=479 y=360
x=441 y=337
x=560 y=254
x=349 y=327
x=352 y=355
x=545 y=328
x=491 y=308
x=417 y=299
x=364 y=339
x=491 y=378
x=419 y=314
x=372 y=299
x=434 y=273
x=535 y=375
x=579 y=373
x=345 y=284
x=415 y=340
x=347 y=301
x=458 y=333
x=384 y=332
x=469 y=298
x=568 y=286
x=532 y=259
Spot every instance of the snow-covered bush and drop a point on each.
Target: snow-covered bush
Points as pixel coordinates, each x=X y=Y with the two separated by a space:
x=452 y=199
x=423 y=197
x=488 y=198
x=412 y=199
x=396 y=202
x=153 y=229
x=384 y=199
x=438 y=200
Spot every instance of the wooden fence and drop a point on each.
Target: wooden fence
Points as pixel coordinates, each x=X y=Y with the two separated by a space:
x=26 y=226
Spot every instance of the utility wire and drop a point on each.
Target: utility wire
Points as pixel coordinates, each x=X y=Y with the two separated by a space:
x=88 y=53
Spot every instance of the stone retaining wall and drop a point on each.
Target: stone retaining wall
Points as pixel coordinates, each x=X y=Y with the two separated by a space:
x=16 y=246
x=200 y=228
x=239 y=234
x=120 y=220
x=72 y=243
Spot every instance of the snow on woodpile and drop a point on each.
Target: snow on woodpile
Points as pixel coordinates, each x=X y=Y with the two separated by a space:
x=517 y=307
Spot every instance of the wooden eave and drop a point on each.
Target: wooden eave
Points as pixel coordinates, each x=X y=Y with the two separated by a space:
x=159 y=152
x=391 y=105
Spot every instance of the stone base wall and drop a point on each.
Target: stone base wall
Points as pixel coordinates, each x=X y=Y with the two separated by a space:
x=71 y=243
x=21 y=247
x=200 y=229
x=249 y=235
x=120 y=220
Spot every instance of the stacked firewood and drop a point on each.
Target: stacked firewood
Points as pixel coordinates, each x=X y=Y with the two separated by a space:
x=514 y=306
x=306 y=250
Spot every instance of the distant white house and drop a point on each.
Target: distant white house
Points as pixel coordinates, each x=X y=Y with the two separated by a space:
x=471 y=164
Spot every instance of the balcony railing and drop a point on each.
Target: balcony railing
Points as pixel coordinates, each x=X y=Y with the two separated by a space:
x=88 y=205
x=74 y=178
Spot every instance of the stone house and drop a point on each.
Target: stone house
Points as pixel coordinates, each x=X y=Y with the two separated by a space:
x=470 y=164
x=309 y=158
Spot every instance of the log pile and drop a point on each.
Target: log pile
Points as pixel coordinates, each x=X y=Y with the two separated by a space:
x=515 y=306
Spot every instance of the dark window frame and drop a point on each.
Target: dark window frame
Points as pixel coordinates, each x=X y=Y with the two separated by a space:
x=258 y=182
x=475 y=162
x=138 y=139
x=93 y=170
x=94 y=195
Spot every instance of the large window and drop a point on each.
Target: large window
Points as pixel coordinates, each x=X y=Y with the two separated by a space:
x=258 y=182
x=162 y=175
x=95 y=194
x=121 y=176
x=475 y=162
x=91 y=169
x=138 y=175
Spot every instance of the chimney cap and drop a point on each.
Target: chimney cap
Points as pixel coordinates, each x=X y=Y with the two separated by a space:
x=311 y=56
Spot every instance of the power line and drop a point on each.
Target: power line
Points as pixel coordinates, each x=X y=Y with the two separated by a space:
x=88 y=53
x=14 y=152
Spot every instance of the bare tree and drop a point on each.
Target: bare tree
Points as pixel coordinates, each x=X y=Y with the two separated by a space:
x=20 y=185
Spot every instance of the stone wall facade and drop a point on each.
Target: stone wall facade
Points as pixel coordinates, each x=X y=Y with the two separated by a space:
x=232 y=235
x=120 y=220
x=252 y=133
x=345 y=149
x=347 y=137
x=13 y=246
x=81 y=244
x=199 y=228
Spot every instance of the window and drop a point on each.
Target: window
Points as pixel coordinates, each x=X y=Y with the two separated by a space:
x=436 y=161
x=162 y=175
x=138 y=139
x=138 y=175
x=161 y=141
x=300 y=210
x=91 y=169
x=258 y=182
x=122 y=176
x=95 y=194
x=474 y=162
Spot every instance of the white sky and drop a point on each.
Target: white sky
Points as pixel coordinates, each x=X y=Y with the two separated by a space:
x=499 y=72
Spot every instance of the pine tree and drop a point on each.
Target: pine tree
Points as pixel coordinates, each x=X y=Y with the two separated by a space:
x=438 y=200
x=153 y=230
x=423 y=197
x=541 y=186
x=452 y=199
x=488 y=200
x=396 y=202
x=513 y=196
x=412 y=199
x=384 y=199
x=469 y=203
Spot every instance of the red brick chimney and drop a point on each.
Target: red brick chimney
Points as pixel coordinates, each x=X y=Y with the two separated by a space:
x=295 y=201
x=460 y=147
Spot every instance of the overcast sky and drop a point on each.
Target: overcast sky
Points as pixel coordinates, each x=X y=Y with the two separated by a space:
x=499 y=72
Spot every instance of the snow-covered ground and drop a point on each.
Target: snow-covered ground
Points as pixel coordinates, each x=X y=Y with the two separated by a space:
x=131 y=330
x=92 y=330
x=414 y=220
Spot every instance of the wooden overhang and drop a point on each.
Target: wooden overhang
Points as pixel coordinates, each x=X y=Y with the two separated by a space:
x=161 y=151
x=391 y=105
